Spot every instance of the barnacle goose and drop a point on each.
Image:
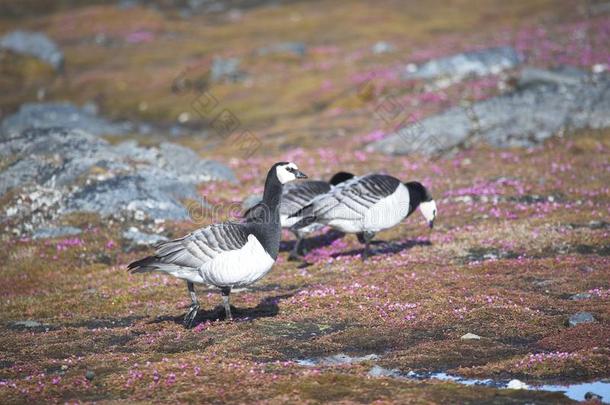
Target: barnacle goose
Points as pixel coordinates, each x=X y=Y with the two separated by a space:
x=294 y=197
x=228 y=254
x=368 y=204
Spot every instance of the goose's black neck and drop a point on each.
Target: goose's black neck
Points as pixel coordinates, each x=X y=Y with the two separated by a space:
x=273 y=191
x=417 y=195
x=266 y=227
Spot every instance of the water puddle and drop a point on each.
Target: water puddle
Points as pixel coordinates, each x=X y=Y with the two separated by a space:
x=576 y=391
x=336 y=360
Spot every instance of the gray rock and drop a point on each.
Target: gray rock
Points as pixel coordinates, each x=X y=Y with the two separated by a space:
x=470 y=336
x=562 y=76
x=476 y=63
x=581 y=296
x=378 y=371
x=89 y=375
x=53 y=115
x=592 y=396
x=138 y=238
x=52 y=157
x=151 y=192
x=581 y=317
x=522 y=118
x=188 y=166
x=46 y=233
x=295 y=48
x=28 y=324
x=225 y=69
x=34 y=44
x=31 y=326
x=55 y=171
x=382 y=47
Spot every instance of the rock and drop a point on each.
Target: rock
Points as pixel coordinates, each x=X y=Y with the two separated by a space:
x=225 y=69
x=580 y=317
x=522 y=118
x=470 y=336
x=34 y=44
x=89 y=375
x=55 y=171
x=31 y=326
x=382 y=47
x=581 y=296
x=28 y=324
x=295 y=48
x=53 y=115
x=138 y=238
x=150 y=191
x=561 y=76
x=517 y=385
x=591 y=396
x=187 y=165
x=45 y=233
x=475 y=63
x=378 y=371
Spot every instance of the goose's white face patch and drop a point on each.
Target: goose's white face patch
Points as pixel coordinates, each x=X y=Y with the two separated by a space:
x=428 y=210
x=286 y=173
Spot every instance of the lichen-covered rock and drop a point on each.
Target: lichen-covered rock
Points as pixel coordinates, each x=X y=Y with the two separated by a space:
x=152 y=192
x=295 y=48
x=44 y=233
x=55 y=171
x=139 y=238
x=225 y=69
x=188 y=166
x=34 y=44
x=525 y=117
x=478 y=63
x=53 y=115
x=581 y=317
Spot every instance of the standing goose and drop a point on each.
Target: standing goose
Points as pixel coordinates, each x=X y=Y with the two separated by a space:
x=368 y=204
x=228 y=254
x=294 y=197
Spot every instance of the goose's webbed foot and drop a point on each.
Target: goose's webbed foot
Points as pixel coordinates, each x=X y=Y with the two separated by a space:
x=189 y=318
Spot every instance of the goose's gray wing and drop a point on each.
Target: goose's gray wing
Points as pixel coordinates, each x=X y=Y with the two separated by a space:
x=352 y=199
x=297 y=195
x=192 y=251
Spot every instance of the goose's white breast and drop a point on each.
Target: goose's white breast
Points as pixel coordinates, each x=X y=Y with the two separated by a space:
x=388 y=211
x=238 y=267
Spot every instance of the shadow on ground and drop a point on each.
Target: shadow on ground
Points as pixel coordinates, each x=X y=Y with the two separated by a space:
x=268 y=307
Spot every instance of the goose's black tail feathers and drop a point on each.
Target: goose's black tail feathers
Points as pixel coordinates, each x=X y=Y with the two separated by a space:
x=143 y=265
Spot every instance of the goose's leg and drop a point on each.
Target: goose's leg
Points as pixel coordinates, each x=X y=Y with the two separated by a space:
x=367 y=236
x=189 y=318
x=226 y=291
x=296 y=252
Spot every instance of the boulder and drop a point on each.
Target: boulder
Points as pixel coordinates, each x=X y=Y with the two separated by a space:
x=475 y=63
x=294 y=48
x=53 y=115
x=34 y=44
x=54 y=171
x=548 y=105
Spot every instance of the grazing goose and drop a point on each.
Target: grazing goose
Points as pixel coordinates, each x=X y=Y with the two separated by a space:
x=294 y=197
x=225 y=255
x=368 y=204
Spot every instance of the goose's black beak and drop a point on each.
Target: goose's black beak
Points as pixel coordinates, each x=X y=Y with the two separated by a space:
x=300 y=175
x=431 y=224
